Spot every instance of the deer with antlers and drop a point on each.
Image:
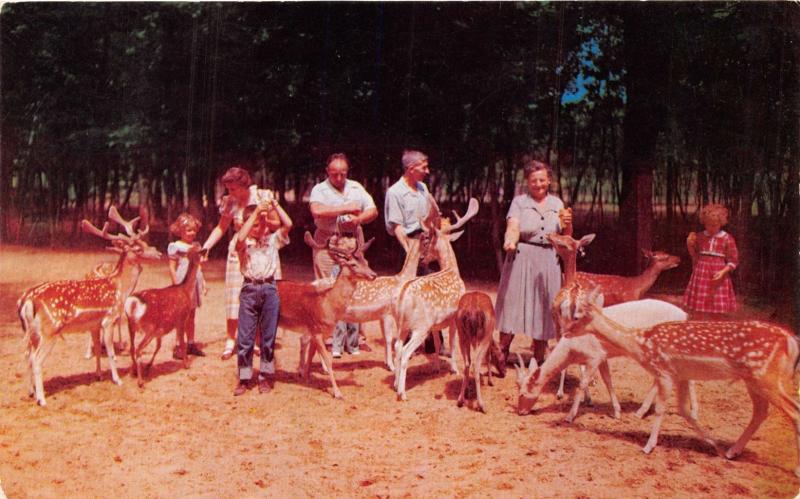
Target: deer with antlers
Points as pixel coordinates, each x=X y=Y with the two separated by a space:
x=70 y=306
x=430 y=302
x=312 y=309
x=372 y=300
x=156 y=312
x=762 y=355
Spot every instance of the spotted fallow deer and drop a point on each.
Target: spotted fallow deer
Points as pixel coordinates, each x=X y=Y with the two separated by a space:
x=73 y=306
x=312 y=309
x=762 y=355
x=619 y=289
x=430 y=302
x=156 y=312
x=372 y=301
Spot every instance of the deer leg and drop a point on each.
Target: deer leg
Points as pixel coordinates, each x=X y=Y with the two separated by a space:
x=94 y=339
x=789 y=405
x=560 y=392
x=760 y=410
x=416 y=339
x=147 y=338
x=326 y=360
x=36 y=369
x=480 y=357
x=465 y=354
x=693 y=406
x=583 y=388
x=451 y=338
x=311 y=350
x=304 y=341
x=683 y=402
x=647 y=402
x=664 y=387
x=587 y=395
x=108 y=335
x=181 y=335
x=605 y=374
x=387 y=330
x=398 y=354
x=153 y=358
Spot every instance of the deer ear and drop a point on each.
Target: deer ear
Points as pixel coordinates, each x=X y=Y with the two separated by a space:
x=532 y=366
x=455 y=235
x=647 y=254
x=585 y=240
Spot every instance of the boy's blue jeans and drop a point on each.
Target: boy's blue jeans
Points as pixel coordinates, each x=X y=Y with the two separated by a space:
x=259 y=305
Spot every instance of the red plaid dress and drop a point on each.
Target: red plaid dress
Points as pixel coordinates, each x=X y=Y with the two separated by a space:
x=713 y=254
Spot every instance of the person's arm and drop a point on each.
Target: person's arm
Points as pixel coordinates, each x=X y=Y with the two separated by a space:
x=512 y=235
x=691 y=246
x=217 y=232
x=320 y=210
x=286 y=221
x=248 y=226
x=731 y=259
x=400 y=234
x=365 y=217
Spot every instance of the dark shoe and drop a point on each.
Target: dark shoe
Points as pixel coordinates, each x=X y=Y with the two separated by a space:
x=193 y=349
x=264 y=386
x=241 y=388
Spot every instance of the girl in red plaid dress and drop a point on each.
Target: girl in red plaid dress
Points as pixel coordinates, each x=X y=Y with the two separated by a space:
x=714 y=256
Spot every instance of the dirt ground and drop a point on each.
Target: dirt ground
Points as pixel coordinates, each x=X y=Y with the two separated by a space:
x=185 y=434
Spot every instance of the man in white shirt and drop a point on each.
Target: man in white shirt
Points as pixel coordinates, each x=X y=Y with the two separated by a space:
x=339 y=206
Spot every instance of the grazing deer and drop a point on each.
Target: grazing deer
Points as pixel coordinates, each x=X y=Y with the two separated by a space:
x=595 y=353
x=475 y=320
x=430 y=302
x=71 y=306
x=313 y=309
x=762 y=355
x=156 y=312
x=617 y=289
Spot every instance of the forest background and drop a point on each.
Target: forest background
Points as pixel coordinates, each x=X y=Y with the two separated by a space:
x=645 y=111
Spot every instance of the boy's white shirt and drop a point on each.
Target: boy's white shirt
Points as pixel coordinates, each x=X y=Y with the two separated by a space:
x=259 y=259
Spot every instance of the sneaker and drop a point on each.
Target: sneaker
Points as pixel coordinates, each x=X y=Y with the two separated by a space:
x=241 y=388
x=193 y=349
x=264 y=386
x=336 y=355
x=228 y=352
x=355 y=352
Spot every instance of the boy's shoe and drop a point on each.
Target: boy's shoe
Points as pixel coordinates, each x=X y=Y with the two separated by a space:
x=355 y=352
x=264 y=386
x=193 y=349
x=241 y=388
x=336 y=355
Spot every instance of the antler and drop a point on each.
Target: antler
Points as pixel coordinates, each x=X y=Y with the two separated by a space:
x=114 y=216
x=89 y=228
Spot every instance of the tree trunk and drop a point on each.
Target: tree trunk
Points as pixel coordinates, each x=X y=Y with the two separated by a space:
x=644 y=118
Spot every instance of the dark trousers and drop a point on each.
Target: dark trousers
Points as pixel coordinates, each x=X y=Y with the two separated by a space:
x=259 y=305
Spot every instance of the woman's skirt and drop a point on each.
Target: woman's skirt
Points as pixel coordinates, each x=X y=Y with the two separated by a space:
x=529 y=283
x=233 y=282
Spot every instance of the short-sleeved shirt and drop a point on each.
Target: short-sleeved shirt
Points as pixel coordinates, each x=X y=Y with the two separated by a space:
x=230 y=207
x=327 y=194
x=259 y=259
x=176 y=250
x=536 y=220
x=405 y=207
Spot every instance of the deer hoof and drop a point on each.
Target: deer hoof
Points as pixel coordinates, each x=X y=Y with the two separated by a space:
x=460 y=402
x=482 y=408
x=570 y=418
x=41 y=402
x=118 y=382
x=647 y=449
x=560 y=395
x=338 y=395
x=732 y=454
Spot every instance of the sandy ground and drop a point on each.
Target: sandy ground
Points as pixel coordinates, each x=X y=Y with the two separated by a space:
x=184 y=434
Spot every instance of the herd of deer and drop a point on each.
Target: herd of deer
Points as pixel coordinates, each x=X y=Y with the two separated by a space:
x=656 y=334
